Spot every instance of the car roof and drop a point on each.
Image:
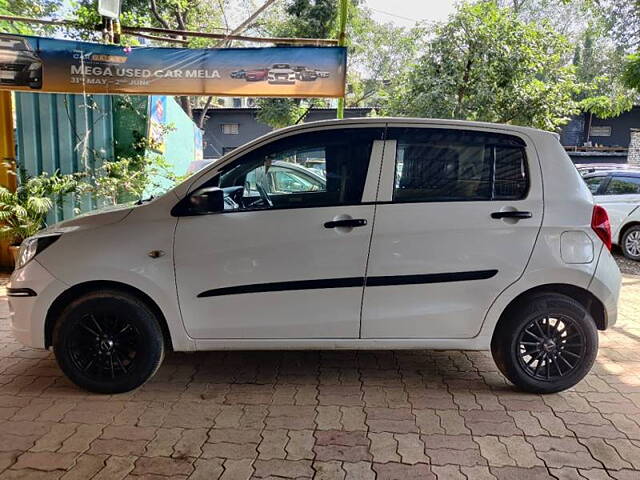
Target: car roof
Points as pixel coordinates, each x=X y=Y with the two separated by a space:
x=391 y=121
x=616 y=172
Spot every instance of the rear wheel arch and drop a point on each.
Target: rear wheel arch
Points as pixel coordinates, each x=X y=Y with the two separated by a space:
x=624 y=229
x=81 y=289
x=587 y=299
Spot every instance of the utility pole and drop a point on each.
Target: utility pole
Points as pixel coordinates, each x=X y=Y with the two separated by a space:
x=342 y=42
x=109 y=10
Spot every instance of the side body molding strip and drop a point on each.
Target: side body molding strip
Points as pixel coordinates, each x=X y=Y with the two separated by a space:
x=379 y=281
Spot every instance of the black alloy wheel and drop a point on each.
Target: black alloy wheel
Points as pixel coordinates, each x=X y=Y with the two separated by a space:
x=108 y=341
x=551 y=347
x=545 y=343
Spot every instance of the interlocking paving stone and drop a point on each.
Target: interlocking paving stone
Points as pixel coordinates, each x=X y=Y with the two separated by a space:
x=325 y=415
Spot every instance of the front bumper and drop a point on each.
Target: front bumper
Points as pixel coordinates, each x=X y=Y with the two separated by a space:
x=606 y=284
x=282 y=80
x=31 y=291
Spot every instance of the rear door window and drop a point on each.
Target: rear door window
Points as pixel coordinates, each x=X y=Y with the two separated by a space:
x=623 y=186
x=444 y=165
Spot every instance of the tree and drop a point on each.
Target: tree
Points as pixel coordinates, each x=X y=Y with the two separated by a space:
x=281 y=112
x=28 y=8
x=599 y=71
x=598 y=55
x=567 y=17
x=485 y=64
x=624 y=22
x=200 y=15
x=303 y=19
x=378 y=53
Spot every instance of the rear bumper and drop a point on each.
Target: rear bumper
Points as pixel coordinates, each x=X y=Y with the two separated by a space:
x=29 y=302
x=605 y=285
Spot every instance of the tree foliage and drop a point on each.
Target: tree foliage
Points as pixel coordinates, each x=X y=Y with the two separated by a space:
x=378 y=53
x=599 y=64
x=280 y=112
x=28 y=8
x=200 y=15
x=485 y=64
x=624 y=21
x=24 y=211
x=304 y=19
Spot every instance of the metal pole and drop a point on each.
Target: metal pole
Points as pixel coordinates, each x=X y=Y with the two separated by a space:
x=7 y=163
x=342 y=42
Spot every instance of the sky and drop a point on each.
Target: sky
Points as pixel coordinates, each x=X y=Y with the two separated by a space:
x=405 y=13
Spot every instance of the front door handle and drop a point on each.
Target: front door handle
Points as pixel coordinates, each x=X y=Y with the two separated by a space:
x=349 y=223
x=511 y=214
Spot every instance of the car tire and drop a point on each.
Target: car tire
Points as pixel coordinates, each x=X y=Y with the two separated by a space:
x=630 y=243
x=108 y=341
x=545 y=344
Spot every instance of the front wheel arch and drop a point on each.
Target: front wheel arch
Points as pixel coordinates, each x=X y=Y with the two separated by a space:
x=587 y=299
x=76 y=291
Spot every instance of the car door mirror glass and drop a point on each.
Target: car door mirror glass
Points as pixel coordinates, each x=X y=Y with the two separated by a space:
x=207 y=200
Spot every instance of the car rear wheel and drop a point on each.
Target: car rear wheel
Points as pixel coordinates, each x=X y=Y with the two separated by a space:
x=545 y=345
x=108 y=342
x=630 y=243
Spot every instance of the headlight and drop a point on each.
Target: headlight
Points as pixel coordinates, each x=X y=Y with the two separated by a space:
x=32 y=246
x=35 y=66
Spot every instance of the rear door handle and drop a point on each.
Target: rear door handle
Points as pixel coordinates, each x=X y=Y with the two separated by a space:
x=349 y=223
x=511 y=214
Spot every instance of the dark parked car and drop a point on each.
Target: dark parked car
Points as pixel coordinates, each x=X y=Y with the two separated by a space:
x=19 y=65
x=306 y=75
x=239 y=74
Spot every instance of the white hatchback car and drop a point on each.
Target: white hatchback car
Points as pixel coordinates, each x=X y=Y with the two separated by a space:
x=619 y=192
x=426 y=234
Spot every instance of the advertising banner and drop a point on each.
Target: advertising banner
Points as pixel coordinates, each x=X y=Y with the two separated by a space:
x=157 y=121
x=64 y=66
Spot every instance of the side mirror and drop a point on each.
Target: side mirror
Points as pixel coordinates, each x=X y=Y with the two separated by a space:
x=208 y=200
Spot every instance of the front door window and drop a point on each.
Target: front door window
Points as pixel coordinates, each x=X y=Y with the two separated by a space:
x=315 y=169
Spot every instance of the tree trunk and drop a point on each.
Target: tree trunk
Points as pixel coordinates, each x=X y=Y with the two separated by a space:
x=185 y=103
x=203 y=113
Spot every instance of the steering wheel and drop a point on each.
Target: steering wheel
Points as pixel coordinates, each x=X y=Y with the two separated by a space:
x=264 y=195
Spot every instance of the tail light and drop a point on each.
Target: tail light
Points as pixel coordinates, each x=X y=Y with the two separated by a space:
x=600 y=224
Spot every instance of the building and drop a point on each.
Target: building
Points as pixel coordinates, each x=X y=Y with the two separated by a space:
x=589 y=139
x=228 y=128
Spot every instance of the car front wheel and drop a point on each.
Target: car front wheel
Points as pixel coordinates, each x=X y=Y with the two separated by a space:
x=545 y=345
x=108 y=341
x=630 y=243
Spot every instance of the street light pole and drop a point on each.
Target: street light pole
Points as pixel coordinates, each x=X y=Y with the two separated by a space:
x=342 y=42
